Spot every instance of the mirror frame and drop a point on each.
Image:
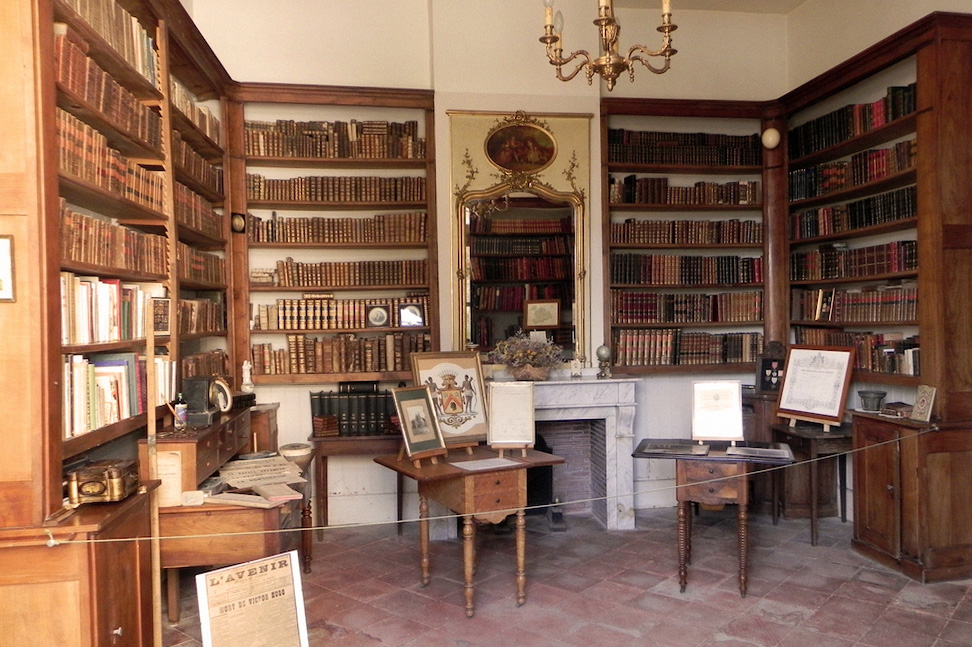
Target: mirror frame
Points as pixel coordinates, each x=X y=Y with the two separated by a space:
x=516 y=184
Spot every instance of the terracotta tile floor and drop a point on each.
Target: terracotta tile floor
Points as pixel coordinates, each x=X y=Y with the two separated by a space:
x=587 y=587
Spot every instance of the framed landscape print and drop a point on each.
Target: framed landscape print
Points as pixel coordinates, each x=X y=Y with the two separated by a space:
x=420 y=428
x=541 y=314
x=815 y=384
x=455 y=382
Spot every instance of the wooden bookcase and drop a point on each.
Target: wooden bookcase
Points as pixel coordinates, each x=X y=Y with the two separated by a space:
x=88 y=197
x=683 y=198
x=338 y=188
x=853 y=225
x=907 y=476
x=928 y=54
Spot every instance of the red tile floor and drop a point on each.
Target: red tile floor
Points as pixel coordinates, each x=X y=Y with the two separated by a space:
x=588 y=587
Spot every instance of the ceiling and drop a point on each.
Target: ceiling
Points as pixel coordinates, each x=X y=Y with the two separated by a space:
x=745 y=6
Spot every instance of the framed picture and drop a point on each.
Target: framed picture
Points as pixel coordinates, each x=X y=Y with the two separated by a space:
x=815 y=384
x=717 y=410
x=455 y=382
x=512 y=413
x=376 y=316
x=521 y=144
x=770 y=368
x=541 y=313
x=420 y=427
x=7 y=269
x=411 y=314
x=924 y=399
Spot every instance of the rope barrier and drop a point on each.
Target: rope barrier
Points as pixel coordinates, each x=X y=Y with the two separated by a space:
x=51 y=542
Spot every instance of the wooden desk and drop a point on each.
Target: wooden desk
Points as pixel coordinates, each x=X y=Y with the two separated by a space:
x=348 y=446
x=711 y=479
x=815 y=443
x=488 y=495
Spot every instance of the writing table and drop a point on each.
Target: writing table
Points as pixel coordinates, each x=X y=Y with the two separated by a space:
x=811 y=440
x=488 y=494
x=712 y=477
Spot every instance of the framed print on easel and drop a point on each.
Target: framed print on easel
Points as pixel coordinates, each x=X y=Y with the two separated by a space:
x=455 y=380
x=815 y=384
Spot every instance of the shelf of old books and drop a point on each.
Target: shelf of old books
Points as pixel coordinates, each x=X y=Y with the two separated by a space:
x=853 y=227
x=683 y=204
x=340 y=232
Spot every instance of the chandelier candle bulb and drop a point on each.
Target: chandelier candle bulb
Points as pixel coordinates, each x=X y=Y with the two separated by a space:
x=548 y=14
x=666 y=6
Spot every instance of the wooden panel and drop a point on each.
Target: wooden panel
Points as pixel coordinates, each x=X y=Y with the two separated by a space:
x=215 y=535
x=876 y=486
x=30 y=618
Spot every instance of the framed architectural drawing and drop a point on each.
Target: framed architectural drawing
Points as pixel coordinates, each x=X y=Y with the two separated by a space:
x=511 y=414
x=420 y=428
x=815 y=384
x=455 y=382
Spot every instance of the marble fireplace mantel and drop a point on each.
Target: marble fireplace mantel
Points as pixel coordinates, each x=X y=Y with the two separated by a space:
x=610 y=400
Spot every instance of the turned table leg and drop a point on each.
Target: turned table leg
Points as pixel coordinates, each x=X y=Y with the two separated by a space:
x=424 y=538
x=520 y=557
x=743 y=531
x=468 y=561
x=683 y=521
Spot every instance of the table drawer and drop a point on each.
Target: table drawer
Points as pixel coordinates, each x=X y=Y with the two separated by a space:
x=698 y=481
x=497 y=491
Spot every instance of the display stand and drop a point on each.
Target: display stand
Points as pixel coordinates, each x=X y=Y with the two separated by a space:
x=793 y=421
x=502 y=450
x=416 y=458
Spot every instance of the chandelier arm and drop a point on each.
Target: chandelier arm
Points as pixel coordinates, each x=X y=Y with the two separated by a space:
x=559 y=62
x=657 y=70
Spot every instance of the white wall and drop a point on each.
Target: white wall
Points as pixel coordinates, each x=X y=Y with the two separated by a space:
x=485 y=55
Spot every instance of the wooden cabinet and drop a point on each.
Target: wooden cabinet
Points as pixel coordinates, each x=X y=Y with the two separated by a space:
x=341 y=285
x=102 y=589
x=683 y=228
x=910 y=501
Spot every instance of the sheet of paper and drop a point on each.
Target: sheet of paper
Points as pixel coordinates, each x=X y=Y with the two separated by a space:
x=485 y=464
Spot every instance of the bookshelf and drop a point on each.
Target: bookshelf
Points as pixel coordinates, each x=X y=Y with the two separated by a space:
x=101 y=154
x=853 y=223
x=338 y=193
x=914 y=200
x=683 y=203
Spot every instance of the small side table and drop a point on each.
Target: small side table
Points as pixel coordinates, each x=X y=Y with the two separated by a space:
x=811 y=440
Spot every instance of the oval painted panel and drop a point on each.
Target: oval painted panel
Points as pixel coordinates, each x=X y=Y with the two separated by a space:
x=521 y=147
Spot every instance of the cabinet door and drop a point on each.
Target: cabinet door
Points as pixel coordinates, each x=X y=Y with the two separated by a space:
x=877 y=480
x=122 y=582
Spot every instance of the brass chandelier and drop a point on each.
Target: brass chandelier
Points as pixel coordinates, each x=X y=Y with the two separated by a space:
x=609 y=64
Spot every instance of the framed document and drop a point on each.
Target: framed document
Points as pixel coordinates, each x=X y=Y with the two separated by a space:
x=511 y=414
x=815 y=384
x=717 y=410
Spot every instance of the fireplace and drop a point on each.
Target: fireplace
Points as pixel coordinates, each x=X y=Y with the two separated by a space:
x=594 y=431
